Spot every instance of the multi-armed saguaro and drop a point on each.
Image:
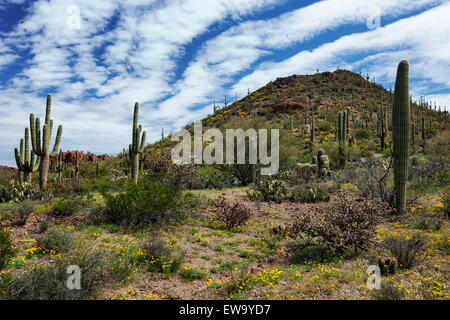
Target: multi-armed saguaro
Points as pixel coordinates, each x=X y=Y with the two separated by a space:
x=42 y=149
x=401 y=125
x=137 y=147
x=26 y=161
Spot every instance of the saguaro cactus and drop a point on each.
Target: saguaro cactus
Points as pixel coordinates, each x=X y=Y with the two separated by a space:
x=42 y=149
x=342 y=137
x=137 y=147
x=382 y=127
x=26 y=161
x=401 y=127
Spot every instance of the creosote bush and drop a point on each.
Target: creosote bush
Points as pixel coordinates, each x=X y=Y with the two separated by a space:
x=66 y=207
x=55 y=240
x=24 y=210
x=154 y=199
x=406 y=251
x=49 y=282
x=232 y=215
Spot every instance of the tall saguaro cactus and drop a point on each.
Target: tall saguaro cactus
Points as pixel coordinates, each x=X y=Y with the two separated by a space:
x=342 y=137
x=25 y=159
x=401 y=135
x=138 y=144
x=42 y=148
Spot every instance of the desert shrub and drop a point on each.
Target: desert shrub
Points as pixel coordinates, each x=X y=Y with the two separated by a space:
x=49 y=282
x=373 y=179
x=272 y=189
x=232 y=215
x=66 y=206
x=154 y=199
x=389 y=291
x=191 y=274
x=160 y=163
x=210 y=177
x=428 y=222
x=406 y=251
x=18 y=193
x=347 y=224
x=361 y=133
x=439 y=145
x=6 y=248
x=430 y=175
x=301 y=253
x=314 y=192
x=162 y=256
x=24 y=210
x=55 y=240
x=68 y=187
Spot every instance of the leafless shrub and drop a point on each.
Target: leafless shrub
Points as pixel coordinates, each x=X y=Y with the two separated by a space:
x=348 y=224
x=232 y=215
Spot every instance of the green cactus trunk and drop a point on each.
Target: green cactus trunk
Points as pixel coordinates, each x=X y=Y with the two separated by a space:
x=342 y=134
x=136 y=148
x=401 y=127
x=42 y=148
x=25 y=160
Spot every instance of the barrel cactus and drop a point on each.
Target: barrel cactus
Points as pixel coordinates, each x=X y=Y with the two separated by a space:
x=401 y=135
x=136 y=148
x=42 y=148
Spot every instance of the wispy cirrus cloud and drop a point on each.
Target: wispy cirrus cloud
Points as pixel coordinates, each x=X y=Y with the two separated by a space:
x=176 y=56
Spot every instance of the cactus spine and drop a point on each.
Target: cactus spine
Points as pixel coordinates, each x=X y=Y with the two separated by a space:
x=401 y=127
x=137 y=147
x=42 y=149
x=25 y=159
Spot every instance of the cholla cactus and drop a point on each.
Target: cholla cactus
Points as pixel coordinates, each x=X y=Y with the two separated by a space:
x=42 y=149
x=323 y=163
x=25 y=159
x=137 y=147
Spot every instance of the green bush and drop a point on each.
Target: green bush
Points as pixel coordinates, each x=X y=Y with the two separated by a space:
x=162 y=256
x=303 y=252
x=23 y=212
x=154 y=199
x=190 y=274
x=406 y=251
x=66 y=207
x=49 y=282
x=55 y=240
x=6 y=248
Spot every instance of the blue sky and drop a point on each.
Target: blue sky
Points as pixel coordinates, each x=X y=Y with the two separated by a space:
x=175 y=57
